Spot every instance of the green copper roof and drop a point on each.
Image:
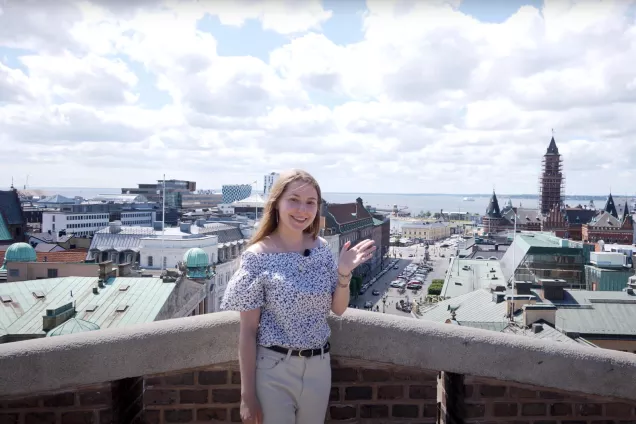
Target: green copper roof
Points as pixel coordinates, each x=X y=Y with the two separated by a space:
x=20 y=252
x=73 y=325
x=196 y=258
x=4 y=230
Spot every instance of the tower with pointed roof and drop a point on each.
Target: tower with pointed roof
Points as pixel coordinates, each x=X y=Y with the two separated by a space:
x=626 y=212
x=552 y=181
x=610 y=206
x=493 y=218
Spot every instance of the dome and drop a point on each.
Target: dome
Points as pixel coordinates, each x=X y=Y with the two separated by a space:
x=73 y=325
x=20 y=252
x=196 y=258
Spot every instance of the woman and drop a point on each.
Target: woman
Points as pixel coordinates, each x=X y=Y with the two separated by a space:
x=287 y=284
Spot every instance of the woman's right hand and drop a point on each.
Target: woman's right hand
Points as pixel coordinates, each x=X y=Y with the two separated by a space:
x=251 y=412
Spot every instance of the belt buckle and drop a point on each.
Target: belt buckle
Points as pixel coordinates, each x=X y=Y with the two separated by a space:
x=300 y=354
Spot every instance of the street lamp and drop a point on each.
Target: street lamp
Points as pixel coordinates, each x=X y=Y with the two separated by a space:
x=384 y=304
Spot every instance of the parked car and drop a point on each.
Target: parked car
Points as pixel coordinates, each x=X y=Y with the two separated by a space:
x=368 y=305
x=375 y=293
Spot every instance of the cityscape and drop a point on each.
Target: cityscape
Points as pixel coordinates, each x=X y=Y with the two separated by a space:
x=502 y=288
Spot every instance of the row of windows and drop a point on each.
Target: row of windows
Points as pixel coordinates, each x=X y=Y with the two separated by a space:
x=148 y=221
x=85 y=217
x=50 y=273
x=136 y=215
x=87 y=225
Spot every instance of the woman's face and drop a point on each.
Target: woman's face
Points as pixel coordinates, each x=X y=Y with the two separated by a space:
x=298 y=206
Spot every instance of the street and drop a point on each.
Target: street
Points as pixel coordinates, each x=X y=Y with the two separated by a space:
x=440 y=265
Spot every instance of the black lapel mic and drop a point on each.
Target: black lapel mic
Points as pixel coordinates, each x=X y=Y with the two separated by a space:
x=307 y=252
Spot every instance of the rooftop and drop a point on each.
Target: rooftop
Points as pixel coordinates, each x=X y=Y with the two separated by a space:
x=10 y=207
x=474 y=309
x=129 y=238
x=69 y=256
x=121 y=302
x=57 y=199
x=467 y=275
x=391 y=364
x=590 y=314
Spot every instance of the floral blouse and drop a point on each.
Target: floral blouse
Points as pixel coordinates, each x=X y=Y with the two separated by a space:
x=292 y=290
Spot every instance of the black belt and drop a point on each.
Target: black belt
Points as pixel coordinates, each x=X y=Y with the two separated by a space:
x=304 y=353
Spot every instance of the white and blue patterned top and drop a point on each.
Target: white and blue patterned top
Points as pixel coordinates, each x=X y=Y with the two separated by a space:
x=293 y=291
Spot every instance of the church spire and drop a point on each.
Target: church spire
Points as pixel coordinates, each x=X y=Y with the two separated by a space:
x=552 y=148
x=610 y=207
x=493 y=210
x=626 y=211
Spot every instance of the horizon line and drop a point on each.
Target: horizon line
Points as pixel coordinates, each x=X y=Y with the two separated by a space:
x=523 y=195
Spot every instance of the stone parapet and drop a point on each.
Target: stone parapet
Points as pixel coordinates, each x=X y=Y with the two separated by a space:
x=384 y=370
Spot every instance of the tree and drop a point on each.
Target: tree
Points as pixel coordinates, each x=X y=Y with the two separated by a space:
x=428 y=214
x=355 y=286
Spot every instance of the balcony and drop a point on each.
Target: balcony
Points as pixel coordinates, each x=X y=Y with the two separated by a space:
x=385 y=370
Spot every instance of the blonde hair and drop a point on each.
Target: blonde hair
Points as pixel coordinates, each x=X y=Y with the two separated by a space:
x=269 y=221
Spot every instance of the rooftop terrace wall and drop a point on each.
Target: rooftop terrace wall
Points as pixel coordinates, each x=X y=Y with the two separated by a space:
x=385 y=369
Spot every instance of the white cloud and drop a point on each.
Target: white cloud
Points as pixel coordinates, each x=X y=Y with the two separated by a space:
x=429 y=100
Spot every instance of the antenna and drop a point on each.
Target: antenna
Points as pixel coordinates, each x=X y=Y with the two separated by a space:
x=163 y=223
x=552 y=132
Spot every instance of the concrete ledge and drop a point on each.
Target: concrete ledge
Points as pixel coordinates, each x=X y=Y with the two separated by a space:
x=58 y=362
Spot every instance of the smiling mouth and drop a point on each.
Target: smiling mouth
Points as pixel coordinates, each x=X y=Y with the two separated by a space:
x=299 y=220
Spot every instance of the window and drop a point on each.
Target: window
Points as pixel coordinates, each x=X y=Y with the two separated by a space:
x=149 y=260
x=14 y=272
x=51 y=273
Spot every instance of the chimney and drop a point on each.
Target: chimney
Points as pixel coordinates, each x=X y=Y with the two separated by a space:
x=523 y=287
x=57 y=316
x=200 y=223
x=538 y=312
x=553 y=290
x=537 y=328
x=114 y=227
x=157 y=225
x=496 y=247
x=516 y=302
x=95 y=290
x=185 y=227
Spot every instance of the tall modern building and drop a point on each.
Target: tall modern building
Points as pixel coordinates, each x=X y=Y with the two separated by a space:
x=269 y=180
x=552 y=181
x=174 y=191
x=235 y=192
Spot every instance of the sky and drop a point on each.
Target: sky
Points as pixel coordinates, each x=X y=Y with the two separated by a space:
x=435 y=96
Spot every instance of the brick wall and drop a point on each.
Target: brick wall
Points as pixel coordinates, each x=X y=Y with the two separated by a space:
x=492 y=401
x=91 y=404
x=360 y=391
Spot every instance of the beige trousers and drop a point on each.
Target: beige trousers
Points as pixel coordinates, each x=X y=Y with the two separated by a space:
x=292 y=390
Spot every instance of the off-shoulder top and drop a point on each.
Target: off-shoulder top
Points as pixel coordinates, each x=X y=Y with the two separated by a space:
x=292 y=290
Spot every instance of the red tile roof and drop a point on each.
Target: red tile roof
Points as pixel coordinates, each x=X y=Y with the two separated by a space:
x=70 y=256
x=345 y=213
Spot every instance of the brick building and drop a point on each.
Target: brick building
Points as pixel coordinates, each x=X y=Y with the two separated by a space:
x=493 y=219
x=497 y=219
x=353 y=222
x=552 y=180
x=566 y=222
x=608 y=227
